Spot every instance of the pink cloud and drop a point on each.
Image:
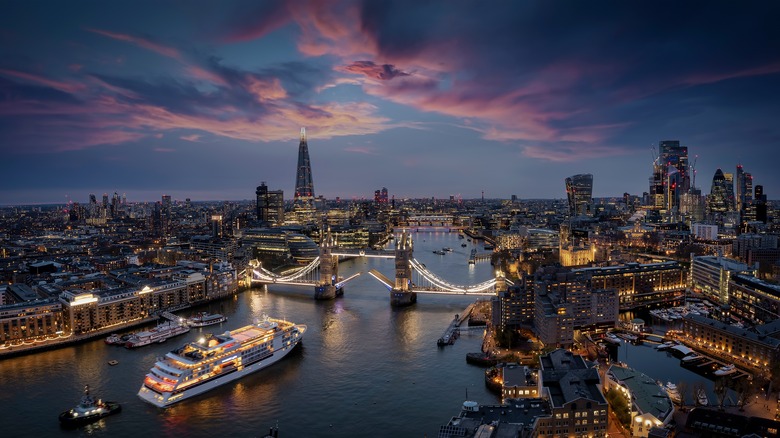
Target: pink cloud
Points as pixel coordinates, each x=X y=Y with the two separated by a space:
x=383 y=72
x=265 y=89
x=67 y=87
x=708 y=78
x=261 y=25
x=571 y=152
x=141 y=42
x=203 y=74
x=329 y=28
x=164 y=150
x=361 y=150
x=193 y=137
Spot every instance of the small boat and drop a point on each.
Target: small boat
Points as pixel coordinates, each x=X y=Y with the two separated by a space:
x=611 y=338
x=447 y=248
x=113 y=362
x=701 y=397
x=157 y=335
x=88 y=410
x=674 y=394
x=691 y=358
x=726 y=370
x=439 y=252
x=115 y=339
x=203 y=319
x=665 y=345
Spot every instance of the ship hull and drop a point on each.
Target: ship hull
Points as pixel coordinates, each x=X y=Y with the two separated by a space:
x=166 y=399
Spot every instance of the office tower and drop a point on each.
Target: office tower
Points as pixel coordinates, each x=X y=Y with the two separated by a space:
x=759 y=203
x=380 y=196
x=92 y=199
x=718 y=201
x=743 y=194
x=303 y=201
x=657 y=192
x=270 y=205
x=730 y=202
x=739 y=186
x=675 y=174
x=165 y=215
x=579 y=191
x=216 y=226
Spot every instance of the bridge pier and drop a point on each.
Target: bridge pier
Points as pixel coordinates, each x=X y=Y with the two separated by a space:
x=327 y=292
x=401 y=299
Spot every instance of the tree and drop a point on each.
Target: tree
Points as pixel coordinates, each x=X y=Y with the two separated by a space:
x=721 y=389
x=620 y=407
x=744 y=389
x=682 y=388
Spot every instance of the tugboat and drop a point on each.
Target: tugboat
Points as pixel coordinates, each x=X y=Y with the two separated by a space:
x=88 y=410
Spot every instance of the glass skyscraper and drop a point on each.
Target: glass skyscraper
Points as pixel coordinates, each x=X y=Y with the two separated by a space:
x=579 y=191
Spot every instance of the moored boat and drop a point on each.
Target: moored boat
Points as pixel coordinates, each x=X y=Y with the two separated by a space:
x=691 y=358
x=204 y=319
x=115 y=339
x=611 y=338
x=88 y=410
x=674 y=394
x=665 y=345
x=212 y=361
x=726 y=370
x=157 y=335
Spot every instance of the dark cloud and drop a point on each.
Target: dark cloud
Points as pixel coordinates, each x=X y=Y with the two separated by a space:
x=383 y=72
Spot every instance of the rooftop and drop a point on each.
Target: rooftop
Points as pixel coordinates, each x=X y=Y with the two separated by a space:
x=646 y=394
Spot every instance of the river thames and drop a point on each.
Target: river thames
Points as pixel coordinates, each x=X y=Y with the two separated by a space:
x=364 y=368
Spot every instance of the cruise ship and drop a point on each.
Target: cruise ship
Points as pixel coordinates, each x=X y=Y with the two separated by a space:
x=218 y=359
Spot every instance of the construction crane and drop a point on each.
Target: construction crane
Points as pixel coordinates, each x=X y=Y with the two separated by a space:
x=693 y=172
x=654 y=155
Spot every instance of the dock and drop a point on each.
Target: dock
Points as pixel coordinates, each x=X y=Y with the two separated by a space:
x=453 y=330
x=449 y=336
x=170 y=316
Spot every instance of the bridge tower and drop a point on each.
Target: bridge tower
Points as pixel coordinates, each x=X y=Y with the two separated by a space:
x=402 y=294
x=329 y=271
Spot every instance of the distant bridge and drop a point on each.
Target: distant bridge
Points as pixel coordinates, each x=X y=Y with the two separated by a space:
x=412 y=277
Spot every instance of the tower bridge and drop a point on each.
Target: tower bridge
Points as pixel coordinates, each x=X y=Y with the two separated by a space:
x=411 y=276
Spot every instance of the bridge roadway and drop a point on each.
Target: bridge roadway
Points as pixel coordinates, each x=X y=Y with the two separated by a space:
x=380 y=253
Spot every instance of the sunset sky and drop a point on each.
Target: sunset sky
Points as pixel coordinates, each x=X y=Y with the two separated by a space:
x=205 y=99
